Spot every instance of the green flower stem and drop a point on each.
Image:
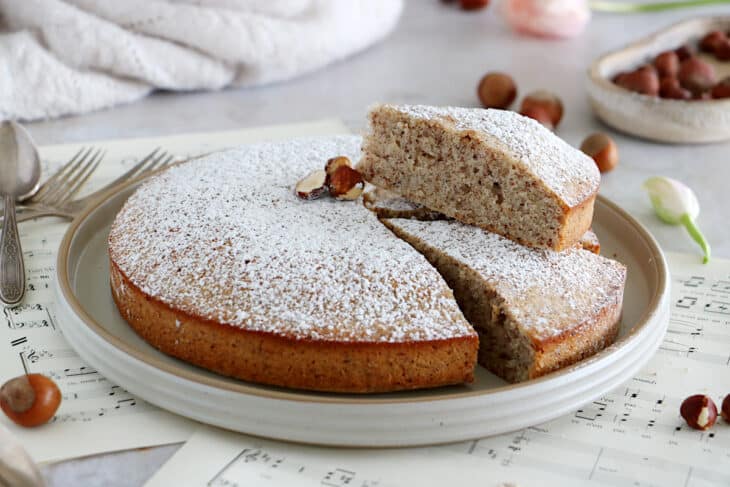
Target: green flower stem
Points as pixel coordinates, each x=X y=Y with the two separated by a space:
x=696 y=235
x=629 y=7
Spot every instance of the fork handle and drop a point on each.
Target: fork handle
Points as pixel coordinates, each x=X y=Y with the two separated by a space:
x=12 y=269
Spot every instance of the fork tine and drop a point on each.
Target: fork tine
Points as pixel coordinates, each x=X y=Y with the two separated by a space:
x=59 y=175
x=159 y=162
x=170 y=158
x=134 y=170
x=58 y=187
x=81 y=180
x=60 y=191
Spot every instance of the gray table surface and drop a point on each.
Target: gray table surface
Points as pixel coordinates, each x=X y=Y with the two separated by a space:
x=436 y=56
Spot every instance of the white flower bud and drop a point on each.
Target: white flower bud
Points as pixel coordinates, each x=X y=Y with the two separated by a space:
x=676 y=204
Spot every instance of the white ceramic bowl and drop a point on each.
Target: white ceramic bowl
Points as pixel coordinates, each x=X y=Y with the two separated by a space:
x=674 y=121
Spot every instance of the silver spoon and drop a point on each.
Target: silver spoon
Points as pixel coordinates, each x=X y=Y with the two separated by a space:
x=20 y=174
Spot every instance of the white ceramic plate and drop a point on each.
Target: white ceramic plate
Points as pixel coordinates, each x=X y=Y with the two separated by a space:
x=91 y=323
x=674 y=121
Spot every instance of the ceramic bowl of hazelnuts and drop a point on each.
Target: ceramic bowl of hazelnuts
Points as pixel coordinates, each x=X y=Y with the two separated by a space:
x=673 y=86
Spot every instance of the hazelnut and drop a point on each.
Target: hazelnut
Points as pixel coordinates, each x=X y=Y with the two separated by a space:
x=667 y=63
x=546 y=101
x=696 y=75
x=473 y=4
x=722 y=89
x=699 y=411
x=644 y=80
x=602 y=149
x=497 y=90
x=346 y=183
x=711 y=40
x=539 y=114
x=30 y=400
x=725 y=408
x=722 y=50
x=313 y=186
x=670 y=88
x=336 y=162
x=684 y=52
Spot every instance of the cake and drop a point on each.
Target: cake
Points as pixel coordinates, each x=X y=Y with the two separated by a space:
x=387 y=204
x=536 y=310
x=495 y=169
x=218 y=263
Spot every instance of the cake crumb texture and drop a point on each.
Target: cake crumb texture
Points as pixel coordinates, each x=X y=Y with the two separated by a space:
x=494 y=169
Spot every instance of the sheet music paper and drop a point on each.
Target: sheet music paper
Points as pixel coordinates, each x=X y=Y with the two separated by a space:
x=95 y=415
x=633 y=436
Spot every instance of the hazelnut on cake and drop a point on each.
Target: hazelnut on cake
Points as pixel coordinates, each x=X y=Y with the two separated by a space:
x=217 y=262
x=387 y=204
x=494 y=169
x=536 y=310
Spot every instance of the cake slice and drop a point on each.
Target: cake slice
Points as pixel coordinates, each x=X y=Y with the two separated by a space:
x=491 y=168
x=386 y=204
x=535 y=310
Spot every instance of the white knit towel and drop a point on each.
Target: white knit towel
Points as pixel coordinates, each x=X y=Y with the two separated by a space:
x=60 y=57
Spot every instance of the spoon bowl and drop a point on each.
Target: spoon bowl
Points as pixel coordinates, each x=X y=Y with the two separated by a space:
x=20 y=166
x=20 y=174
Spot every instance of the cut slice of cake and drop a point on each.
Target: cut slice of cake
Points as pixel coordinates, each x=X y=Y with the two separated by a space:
x=536 y=310
x=491 y=168
x=386 y=204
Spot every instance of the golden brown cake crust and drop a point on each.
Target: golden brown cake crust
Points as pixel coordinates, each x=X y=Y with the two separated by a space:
x=574 y=345
x=353 y=367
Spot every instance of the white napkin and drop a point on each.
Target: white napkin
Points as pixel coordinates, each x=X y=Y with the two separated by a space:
x=61 y=57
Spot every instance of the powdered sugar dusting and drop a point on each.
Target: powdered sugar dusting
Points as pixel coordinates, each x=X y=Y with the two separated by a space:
x=569 y=173
x=226 y=239
x=547 y=292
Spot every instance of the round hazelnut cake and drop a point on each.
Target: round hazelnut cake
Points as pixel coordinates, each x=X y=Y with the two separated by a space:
x=217 y=262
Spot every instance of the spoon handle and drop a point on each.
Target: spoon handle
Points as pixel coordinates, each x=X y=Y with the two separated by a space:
x=12 y=269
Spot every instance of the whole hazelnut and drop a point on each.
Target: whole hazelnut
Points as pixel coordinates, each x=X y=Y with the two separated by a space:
x=497 y=90
x=696 y=75
x=725 y=408
x=540 y=114
x=644 y=80
x=711 y=39
x=345 y=183
x=684 y=52
x=721 y=89
x=699 y=411
x=473 y=4
x=667 y=63
x=671 y=89
x=602 y=149
x=546 y=101
x=30 y=400
x=722 y=50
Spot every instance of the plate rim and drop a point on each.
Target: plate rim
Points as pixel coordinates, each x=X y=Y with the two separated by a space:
x=65 y=292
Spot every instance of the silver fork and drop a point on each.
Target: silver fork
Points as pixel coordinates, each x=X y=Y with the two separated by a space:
x=154 y=161
x=67 y=181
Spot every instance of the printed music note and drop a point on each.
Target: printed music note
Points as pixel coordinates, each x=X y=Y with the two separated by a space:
x=721 y=286
x=694 y=281
x=718 y=307
x=686 y=302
